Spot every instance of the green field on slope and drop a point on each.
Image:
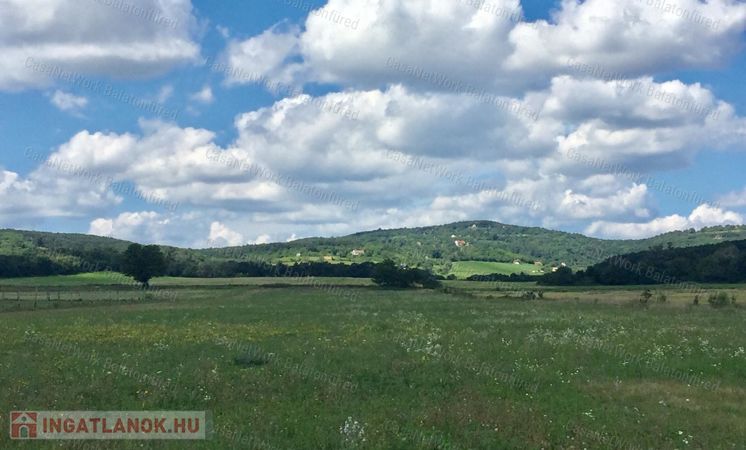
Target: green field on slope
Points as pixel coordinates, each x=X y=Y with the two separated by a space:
x=464 y=269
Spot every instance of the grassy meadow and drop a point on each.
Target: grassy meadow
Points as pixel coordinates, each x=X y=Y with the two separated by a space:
x=306 y=364
x=464 y=269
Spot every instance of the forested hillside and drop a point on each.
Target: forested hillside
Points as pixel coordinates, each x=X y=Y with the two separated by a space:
x=715 y=263
x=26 y=253
x=30 y=253
x=482 y=241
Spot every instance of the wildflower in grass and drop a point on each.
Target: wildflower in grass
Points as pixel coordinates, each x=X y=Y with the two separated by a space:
x=353 y=433
x=419 y=336
x=685 y=439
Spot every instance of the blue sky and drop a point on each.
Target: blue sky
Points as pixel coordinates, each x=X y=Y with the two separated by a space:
x=376 y=123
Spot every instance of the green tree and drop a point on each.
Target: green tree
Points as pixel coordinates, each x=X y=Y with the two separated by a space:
x=143 y=263
x=562 y=277
x=389 y=274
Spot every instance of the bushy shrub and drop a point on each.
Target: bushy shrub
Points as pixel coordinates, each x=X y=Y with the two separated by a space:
x=719 y=300
x=250 y=359
x=562 y=277
x=388 y=274
x=646 y=296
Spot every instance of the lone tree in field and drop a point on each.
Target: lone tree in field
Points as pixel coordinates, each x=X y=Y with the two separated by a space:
x=143 y=263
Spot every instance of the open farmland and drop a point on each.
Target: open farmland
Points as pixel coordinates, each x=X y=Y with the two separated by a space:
x=345 y=365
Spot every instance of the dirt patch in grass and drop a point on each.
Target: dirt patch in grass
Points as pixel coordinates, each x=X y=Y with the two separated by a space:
x=484 y=418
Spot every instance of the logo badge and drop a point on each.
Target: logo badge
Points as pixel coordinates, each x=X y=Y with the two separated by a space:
x=23 y=425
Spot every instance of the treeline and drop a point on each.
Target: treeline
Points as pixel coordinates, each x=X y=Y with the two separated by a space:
x=716 y=263
x=389 y=274
x=513 y=277
x=12 y=266
x=230 y=269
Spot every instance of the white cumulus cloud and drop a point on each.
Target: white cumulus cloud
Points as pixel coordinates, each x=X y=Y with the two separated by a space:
x=68 y=102
x=703 y=216
x=221 y=236
x=204 y=96
x=462 y=45
x=42 y=39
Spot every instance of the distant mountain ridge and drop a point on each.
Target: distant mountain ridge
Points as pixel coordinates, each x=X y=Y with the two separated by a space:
x=433 y=247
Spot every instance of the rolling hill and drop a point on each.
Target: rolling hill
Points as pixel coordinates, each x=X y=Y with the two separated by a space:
x=435 y=248
x=482 y=241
